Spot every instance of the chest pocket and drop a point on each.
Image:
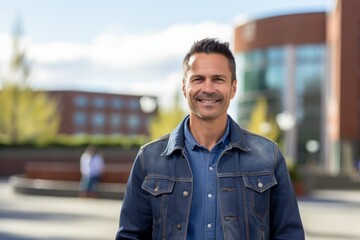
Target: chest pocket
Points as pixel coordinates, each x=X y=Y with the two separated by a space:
x=260 y=183
x=258 y=193
x=158 y=186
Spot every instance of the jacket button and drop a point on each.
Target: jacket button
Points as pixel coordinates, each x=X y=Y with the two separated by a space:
x=260 y=185
x=178 y=227
x=185 y=193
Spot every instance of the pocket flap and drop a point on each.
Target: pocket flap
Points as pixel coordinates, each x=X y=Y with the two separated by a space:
x=157 y=186
x=260 y=183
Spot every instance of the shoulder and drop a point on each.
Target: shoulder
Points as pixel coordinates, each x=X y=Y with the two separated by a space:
x=157 y=142
x=155 y=147
x=248 y=140
x=251 y=136
x=260 y=144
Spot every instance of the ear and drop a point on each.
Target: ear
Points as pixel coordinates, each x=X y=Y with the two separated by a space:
x=184 y=88
x=233 y=88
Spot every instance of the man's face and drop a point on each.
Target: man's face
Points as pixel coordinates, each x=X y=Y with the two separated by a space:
x=207 y=86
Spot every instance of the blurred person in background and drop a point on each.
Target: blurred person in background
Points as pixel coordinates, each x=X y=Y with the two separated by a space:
x=91 y=167
x=210 y=178
x=356 y=170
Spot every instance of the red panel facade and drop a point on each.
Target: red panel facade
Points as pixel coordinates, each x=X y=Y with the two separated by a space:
x=280 y=30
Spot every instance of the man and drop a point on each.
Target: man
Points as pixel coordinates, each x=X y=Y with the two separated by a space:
x=209 y=178
x=91 y=167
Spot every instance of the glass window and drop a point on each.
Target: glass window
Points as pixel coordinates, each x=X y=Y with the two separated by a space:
x=310 y=70
x=255 y=80
x=262 y=70
x=275 y=70
x=133 y=121
x=80 y=101
x=255 y=59
x=98 y=119
x=99 y=102
x=115 y=120
x=134 y=104
x=117 y=103
x=310 y=53
x=79 y=118
x=275 y=77
x=309 y=77
x=275 y=55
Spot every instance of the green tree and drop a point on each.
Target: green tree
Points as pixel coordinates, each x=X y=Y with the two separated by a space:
x=26 y=115
x=167 y=120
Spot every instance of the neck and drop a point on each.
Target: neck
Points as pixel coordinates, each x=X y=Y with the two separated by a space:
x=207 y=132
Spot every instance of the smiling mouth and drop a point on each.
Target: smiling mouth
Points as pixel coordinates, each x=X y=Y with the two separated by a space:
x=208 y=101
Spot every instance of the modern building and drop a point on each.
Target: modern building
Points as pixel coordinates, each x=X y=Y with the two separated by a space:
x=96 y=113
x=307 y=66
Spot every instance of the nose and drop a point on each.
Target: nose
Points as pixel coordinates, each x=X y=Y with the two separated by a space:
x=208 y=86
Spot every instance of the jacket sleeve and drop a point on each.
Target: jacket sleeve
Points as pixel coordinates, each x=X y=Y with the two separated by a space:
x=284 y=211
x=136 y=215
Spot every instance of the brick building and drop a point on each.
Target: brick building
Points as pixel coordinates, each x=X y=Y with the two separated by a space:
x=97 y=113
x=306 y=65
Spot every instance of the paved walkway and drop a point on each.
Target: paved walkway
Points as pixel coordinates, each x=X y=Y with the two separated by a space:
x=26 y=217
x=327 y=215
x=331 y=215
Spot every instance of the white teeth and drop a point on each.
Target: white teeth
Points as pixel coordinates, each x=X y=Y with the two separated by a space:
x=208 y=101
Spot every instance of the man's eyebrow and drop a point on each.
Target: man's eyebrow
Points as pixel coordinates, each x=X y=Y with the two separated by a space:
x=197 y=75
x=219 y=75
x=201 y=75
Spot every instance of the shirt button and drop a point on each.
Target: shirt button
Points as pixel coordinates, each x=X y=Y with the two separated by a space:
x=185 y=193
x=209 y=195
x=178 y=227
x=260 y=185
x=211 y=168
x=209 y=225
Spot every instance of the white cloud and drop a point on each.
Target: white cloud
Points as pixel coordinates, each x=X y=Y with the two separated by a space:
x=58 y=52
x=165 y=88
x=119 y=62
x=130 y=51
x=5 y=47
x=5 y=51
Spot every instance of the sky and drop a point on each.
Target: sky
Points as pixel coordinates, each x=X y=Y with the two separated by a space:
x=125 y=46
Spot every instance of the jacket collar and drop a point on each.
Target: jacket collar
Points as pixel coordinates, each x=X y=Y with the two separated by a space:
x=177 y=138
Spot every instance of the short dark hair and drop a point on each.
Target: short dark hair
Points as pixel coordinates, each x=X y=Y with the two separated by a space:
x=208 y=46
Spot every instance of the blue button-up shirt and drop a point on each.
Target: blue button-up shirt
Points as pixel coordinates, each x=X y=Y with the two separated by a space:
x=205 y=219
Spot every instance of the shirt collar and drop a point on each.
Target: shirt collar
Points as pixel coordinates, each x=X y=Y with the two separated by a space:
x=191 y=142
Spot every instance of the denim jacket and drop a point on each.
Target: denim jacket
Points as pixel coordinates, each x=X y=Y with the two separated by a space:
x=255 y=192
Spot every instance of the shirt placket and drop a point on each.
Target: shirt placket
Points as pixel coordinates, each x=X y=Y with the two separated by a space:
x=210 y=214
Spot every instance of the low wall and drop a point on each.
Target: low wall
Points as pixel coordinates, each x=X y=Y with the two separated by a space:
x=15 y=160
x=113 y=173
